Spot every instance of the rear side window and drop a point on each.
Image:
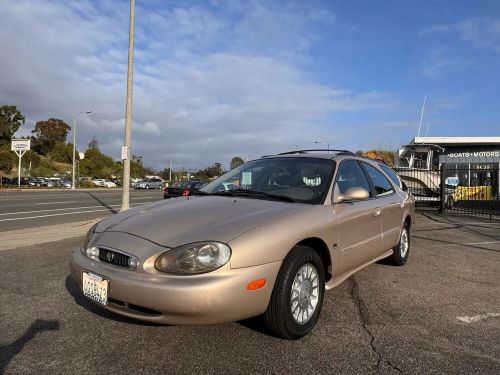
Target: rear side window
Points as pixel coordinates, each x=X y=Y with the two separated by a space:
x=351 y=175
x=380 y=182
x=392 y=175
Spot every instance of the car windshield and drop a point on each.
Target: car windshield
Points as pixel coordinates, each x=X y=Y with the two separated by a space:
x=294 y=179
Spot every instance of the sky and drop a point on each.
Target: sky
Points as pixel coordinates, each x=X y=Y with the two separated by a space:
x=221 y=78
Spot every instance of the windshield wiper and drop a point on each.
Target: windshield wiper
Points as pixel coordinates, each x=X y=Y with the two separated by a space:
x=246 y=192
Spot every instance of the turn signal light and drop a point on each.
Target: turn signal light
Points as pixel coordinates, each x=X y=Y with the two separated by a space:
x=256 y=284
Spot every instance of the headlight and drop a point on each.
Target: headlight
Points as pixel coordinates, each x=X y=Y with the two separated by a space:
x=88 y=237
x=194 y=258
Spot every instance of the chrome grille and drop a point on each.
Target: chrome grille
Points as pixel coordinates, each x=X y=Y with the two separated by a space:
x=113 y=257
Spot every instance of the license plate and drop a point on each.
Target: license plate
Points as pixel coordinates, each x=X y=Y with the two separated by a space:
x=95 y=287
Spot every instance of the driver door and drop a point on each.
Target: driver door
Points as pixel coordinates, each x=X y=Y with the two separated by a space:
x=358 y=222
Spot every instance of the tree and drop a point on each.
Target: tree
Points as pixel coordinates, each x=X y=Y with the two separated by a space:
x=386 y=156
x=236 y=162
x=10 y=121
x=93 y=145
x=47 y=133
x=30 y=160
x=62 y=152
x=7 y=159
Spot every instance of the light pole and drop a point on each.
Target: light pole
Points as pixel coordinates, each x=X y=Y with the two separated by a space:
x=324 y=143
x=74 y=146
x=128 y=112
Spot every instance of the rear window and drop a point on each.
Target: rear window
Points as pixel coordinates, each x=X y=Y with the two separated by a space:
x=181 y=184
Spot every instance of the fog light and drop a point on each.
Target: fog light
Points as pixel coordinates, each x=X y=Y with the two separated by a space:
x=132 y=263
x=92 y=252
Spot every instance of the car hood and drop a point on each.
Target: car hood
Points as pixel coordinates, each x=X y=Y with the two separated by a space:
x=179 y=221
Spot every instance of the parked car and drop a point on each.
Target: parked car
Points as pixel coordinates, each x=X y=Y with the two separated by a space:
x=299 y=223
x=65 y=183
x=109 y=184
x=181 y=188
x=149 y=183
x=44 y=181
x=99 y=182
x=32 y=181
x=134 y=181
x=6 y=182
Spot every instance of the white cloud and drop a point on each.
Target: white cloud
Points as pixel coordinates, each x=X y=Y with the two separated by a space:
x=481 y=32
x=209 y=84
x=442 y=61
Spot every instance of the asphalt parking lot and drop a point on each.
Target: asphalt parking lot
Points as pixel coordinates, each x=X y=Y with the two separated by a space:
x=438 y=314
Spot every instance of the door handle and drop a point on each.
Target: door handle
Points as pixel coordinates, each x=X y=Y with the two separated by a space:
x=377 y=212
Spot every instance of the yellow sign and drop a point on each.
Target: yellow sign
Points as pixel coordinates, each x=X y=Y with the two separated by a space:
x=483 y=193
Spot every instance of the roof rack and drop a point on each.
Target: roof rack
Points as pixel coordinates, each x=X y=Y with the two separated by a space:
x=316 y=150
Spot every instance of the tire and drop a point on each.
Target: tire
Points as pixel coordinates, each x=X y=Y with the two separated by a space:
x=402 y=249
x=147 y=187
x=278 y=316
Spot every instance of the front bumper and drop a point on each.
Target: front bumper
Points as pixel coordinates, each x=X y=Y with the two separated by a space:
x=215 y=297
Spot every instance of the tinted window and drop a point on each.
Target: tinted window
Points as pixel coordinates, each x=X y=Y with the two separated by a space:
x=380 y=182
x=392 y=174
x=351 y=175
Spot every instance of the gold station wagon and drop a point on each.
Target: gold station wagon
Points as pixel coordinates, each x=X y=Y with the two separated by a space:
x=291 y=226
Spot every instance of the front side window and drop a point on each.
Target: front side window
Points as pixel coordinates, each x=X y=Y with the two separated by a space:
x=380 y=182
x=392 y=175
x=351 y=175
x=296 y=179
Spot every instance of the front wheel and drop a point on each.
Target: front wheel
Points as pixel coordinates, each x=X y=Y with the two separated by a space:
x=297 y=295
x=402 y=249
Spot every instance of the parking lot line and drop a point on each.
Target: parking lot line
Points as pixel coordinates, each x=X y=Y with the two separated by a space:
x=60 y=202
x=67 y=213
x=476 y=318
x=466 y=243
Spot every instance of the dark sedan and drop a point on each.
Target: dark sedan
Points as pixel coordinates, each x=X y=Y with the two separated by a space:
x=182 y=188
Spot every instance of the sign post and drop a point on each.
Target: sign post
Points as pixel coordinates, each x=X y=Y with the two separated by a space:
x=20 y=146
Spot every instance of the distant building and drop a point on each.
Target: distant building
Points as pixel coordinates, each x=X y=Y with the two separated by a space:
x=467 y=161
x=454 y=150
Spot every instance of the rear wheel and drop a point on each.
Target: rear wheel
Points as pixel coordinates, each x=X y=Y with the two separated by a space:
x=147 y=186
x=297 y=295
x=402 y=249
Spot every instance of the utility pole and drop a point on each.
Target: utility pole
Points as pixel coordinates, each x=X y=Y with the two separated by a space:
x=128 y=113
x=170 y=172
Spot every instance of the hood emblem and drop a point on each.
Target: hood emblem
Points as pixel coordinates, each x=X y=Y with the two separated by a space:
x=110 y=256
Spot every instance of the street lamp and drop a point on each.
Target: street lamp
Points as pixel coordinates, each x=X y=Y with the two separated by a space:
x=324 y=143
x=74 y=146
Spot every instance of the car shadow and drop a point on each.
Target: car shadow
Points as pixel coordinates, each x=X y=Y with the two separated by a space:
x=75 y=292
x=258 y=325
x=104 y=204
x=9 y=351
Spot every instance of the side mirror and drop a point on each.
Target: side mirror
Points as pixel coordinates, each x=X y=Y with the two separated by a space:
x=352 y=194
